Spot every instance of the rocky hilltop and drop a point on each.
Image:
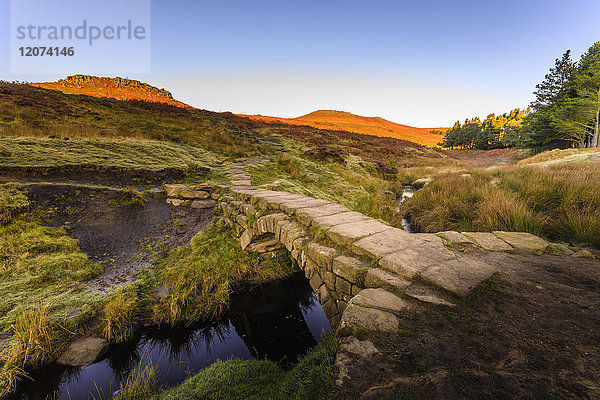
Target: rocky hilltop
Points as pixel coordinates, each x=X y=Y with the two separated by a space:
x=116 y=88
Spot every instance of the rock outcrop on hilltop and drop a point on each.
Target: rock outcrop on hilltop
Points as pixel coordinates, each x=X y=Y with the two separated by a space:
x=117 y=88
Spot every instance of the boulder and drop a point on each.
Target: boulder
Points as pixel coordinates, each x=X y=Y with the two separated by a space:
x=370 y=319
x=380 y=298
x=419 y=183
x=583 y=254
x=174 y=202
x=200 y=204
x=83 y=351
x=193 y=194
x=173 y=190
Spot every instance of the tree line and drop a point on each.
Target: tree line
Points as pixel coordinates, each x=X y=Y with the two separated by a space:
x=494 y=132
x=565 y=112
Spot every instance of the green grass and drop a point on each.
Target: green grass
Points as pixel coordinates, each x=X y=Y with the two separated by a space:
x=353 y=183
x=44 y=153
x=311 y=379
x=199 y=279
x=558 y=201
x=12 y=200
x=43 y=304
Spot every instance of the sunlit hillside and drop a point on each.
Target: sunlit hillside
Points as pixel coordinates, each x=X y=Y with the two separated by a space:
x=340 y=120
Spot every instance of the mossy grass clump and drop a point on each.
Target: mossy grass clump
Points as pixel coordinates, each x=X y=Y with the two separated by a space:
x=199 y=279
x=311 y=379
x=12 y=201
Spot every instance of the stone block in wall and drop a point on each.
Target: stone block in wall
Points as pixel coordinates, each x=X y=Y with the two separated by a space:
x=330 y=308
x=242 y=220
x=228 y=209
x=289 y=233
x=237 y=204
x=248 y=209
x=310 y=269
x=202 y=204
x=323 y=294
x=315 y=281
x=322 y=255
x=246 y=238
x=174 y=202
x=343 y=287
x=267 y=223
x=329 y=278
x=279 y=225
x=265 y=244
x=348 y=267
x=303 y=259
x=300 y=242
x=377 y=277
x=238 y=229
x=341 y=305
x=335 y=320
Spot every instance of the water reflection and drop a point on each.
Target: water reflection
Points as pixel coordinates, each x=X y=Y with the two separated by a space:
x=278 y=321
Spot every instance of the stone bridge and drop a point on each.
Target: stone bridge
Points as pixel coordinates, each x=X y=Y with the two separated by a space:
x=365 y=273
x=360 y=268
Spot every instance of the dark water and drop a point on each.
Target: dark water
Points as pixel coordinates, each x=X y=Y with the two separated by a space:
x=277 y=321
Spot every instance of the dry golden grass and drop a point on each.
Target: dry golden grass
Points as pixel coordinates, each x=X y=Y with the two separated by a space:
x=119 y=315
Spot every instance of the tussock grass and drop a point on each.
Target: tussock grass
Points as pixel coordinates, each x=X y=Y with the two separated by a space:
x=32 y=344
x=559 y=201
x=199 y=279
x=311 y=379
x=141 y=383
x=119 y=317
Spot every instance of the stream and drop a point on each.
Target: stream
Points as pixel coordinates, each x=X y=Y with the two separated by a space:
x=279 y=321
x=407 y=192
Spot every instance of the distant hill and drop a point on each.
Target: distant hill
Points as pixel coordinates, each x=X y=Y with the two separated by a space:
x=115 y=88
x=340 y=120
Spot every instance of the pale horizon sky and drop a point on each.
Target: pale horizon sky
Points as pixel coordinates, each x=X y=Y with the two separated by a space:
x=426 y=63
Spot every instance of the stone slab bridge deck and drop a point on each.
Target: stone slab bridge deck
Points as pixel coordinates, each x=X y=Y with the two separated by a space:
x=365 y=273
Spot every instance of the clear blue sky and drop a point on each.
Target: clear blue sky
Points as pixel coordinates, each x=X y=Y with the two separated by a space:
x=423 y=63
